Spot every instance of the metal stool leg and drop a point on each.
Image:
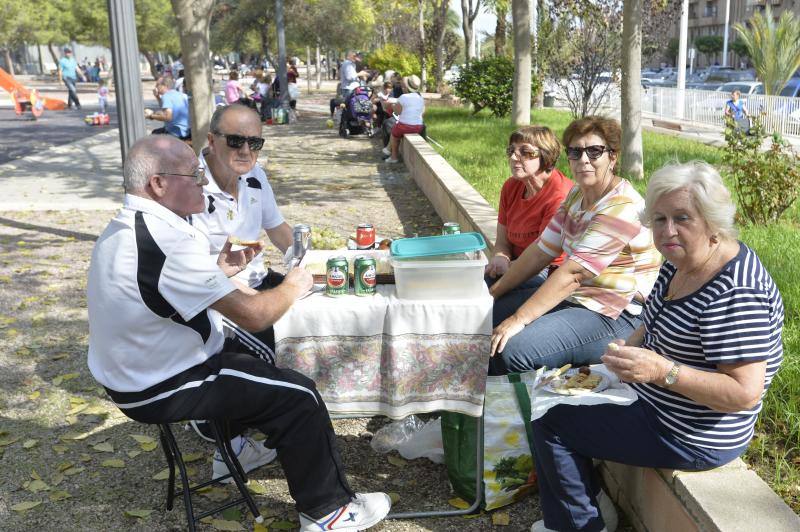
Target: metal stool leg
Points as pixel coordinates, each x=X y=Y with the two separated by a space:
x=171 y=465
x=187 y=495
x=221 y=435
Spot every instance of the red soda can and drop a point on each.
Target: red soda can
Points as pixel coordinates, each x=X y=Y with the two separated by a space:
x=365 y=236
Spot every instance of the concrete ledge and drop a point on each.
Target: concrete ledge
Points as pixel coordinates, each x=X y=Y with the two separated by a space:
x=453 y=198
x=727 y=499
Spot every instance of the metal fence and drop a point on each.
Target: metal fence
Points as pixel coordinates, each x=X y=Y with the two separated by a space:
x=779 y=113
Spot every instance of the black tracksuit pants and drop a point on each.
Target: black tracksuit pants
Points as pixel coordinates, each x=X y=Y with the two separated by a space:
x=250 y=392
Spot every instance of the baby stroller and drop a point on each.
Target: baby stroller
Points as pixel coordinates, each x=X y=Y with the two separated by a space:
x=357 y=114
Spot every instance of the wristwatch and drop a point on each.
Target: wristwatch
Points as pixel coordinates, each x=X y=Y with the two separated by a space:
x=672 y=375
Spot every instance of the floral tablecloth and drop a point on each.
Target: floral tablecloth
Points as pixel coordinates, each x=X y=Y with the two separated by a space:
x=390 y=356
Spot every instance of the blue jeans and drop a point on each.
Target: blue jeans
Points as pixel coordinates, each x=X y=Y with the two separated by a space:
x=567 y=438
x=72 y=92
x=568 y=334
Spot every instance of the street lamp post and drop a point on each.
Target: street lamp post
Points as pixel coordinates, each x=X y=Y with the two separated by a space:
x=682 y=45
x=725 y=37
x=127 y=77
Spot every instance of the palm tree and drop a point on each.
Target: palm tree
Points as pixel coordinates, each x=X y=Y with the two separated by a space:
x=632 y=157
x=521 y=22
x=774 y=47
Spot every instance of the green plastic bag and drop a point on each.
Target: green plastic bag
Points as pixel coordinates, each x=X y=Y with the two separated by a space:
x=508 y=472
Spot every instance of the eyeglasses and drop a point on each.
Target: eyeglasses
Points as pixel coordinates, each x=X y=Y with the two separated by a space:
x=237 y=141
x=592 y=152
x=522 y=154
x=199 y=176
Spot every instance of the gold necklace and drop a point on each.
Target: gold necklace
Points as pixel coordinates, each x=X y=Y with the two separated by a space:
x=668 y=297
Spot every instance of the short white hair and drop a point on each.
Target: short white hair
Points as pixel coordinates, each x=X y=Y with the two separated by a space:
x=711 y=197
x=145 y=158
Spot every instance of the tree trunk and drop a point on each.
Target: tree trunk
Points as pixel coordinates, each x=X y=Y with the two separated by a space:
x=423 y=58
x=194 y=19
x=521 y=22
x=53 y=55
x=439 y=30
x=308 y=68
x=466 y=26
x=151 y=60
x=319 y=69
x=280 y=28
x=632 y=158
x=500 y=30
x=41 y=61
x=9 y=62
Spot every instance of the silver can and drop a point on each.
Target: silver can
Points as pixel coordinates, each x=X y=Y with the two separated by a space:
x=301 y=240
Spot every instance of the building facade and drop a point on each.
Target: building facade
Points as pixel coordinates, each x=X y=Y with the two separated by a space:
x=707 y=17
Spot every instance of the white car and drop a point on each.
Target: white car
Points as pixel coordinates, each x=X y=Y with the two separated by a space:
x=452 y=73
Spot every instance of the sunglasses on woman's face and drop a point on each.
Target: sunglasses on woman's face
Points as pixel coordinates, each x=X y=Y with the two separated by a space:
x=523 y=154
x=592 y=152
x=237 y=141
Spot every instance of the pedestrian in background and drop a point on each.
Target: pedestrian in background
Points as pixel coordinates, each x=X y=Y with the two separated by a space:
x=68 y=74
x=102 y=95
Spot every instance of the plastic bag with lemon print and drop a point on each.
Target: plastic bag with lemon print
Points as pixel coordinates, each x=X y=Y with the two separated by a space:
x=508 y=472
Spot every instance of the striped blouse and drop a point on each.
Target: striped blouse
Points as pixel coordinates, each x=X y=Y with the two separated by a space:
x=608 y=240
x=736 y=317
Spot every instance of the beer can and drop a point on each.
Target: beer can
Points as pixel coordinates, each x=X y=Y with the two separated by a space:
x=336 y=278
x=364 y=275
x=365 y=236
x=301 y=240
x=451 y=228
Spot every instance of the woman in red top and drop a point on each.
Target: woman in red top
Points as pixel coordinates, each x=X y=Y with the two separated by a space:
x=529 y=198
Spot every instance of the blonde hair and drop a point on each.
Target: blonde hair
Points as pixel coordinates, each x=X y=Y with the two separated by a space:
x=709 y=194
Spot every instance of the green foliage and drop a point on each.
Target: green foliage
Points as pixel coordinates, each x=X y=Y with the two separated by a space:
x=394 y=57
x=489 y=83
x=766 y=182
x=156 y=27
x=739 y=47
x=709 y=44
x=512 y=471
x=774 y=47
x=673 y=48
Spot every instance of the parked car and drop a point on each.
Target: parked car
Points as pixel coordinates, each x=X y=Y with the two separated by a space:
x=744 y=87
x=792 y=88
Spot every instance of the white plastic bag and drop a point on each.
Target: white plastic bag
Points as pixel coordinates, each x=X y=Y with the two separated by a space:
x=425 y=443
x=394 y=434
x=412 y=438
x=294 y=91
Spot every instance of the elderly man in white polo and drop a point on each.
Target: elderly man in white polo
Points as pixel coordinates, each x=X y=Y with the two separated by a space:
x=156 y=301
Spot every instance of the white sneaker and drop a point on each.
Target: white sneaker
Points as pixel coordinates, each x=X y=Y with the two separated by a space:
x=607 y=511
x=392 y=161
x=250 y=453
x=364 y=511
x=386 y=151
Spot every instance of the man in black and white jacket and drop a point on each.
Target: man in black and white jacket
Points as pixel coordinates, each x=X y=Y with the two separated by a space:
x=156 y=343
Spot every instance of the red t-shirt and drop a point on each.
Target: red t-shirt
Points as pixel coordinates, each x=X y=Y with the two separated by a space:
x=526 y=218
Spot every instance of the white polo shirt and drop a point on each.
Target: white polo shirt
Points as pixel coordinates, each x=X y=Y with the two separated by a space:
x=255 y=209
x=151 y=282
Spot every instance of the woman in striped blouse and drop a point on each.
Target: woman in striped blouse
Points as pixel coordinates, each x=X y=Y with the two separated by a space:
x=597 y=293
x=701 y=363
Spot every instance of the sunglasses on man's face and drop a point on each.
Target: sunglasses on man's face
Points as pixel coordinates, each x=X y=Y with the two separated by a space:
x=237 y=141
x=592 y=152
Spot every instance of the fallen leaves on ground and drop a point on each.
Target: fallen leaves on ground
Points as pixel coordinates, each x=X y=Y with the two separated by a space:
x=114 y=462
x=23 y=507
x=139 y=514
x=396 y=461
x=223 y=524
x=500 y=519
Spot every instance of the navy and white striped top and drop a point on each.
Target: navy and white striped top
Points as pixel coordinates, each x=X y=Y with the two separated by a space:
x=735 y=317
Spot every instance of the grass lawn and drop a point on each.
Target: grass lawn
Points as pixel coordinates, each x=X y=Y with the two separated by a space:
x=475 y=145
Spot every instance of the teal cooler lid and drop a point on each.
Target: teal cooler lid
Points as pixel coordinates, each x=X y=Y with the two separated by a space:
x=428 y=246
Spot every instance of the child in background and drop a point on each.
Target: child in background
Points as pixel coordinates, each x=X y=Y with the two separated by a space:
x=102 y=95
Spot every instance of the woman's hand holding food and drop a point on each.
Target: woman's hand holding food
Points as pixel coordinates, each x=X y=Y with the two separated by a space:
x=503 y=333
x=634 y=364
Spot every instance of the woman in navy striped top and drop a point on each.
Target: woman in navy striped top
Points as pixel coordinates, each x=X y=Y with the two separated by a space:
x=701 y=363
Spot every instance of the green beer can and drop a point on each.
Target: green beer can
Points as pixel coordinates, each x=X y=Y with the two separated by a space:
x=451 y=228
x=336 y=278
x=364 y=275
